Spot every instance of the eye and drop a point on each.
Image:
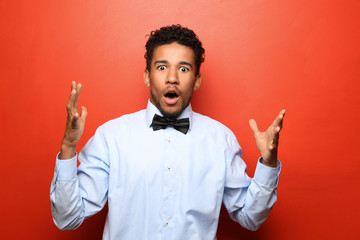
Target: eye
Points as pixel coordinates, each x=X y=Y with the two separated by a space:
x=184 y=69
x=161 y=67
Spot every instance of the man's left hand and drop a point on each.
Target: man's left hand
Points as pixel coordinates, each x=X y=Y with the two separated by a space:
x=268 y=141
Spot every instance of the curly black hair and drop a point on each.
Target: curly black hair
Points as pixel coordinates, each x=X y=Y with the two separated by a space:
x=170 y=34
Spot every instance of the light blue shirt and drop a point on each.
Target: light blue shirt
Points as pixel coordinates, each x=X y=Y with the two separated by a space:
x=161 y=184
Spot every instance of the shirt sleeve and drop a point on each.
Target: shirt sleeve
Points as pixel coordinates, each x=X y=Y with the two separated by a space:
x=78 y=193
x=249 y=201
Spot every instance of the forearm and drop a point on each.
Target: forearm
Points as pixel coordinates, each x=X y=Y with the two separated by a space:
x=66 y=204
x=77 y=193
x=257 y=206
x=255 y=202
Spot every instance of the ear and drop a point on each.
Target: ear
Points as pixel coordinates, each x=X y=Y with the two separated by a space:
x=197 y=82
x=147 y=78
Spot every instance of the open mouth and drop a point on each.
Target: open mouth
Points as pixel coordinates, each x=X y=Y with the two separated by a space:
x=171 y=95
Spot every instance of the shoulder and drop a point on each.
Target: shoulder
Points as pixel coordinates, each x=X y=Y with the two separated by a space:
x=205 y=125
x=202 y=121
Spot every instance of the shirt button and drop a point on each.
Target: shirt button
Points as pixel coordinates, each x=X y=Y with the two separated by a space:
x=169 y=141
x=167 y=224
x=169 y=168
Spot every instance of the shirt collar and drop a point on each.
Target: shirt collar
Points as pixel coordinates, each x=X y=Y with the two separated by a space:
x=151 y=110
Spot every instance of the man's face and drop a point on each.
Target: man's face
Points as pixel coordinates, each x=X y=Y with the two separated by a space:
x=172 y=78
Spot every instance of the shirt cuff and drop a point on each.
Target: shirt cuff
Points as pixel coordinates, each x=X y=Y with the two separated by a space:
x=265 y=175
x=66 y=169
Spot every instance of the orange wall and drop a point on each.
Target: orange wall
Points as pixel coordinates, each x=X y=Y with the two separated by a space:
x=261 y=56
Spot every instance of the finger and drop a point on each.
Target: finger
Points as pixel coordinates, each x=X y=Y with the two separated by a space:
x=78 y=91
x=70 y=103
x=273 y=146
x=276 y=135
x=74 y=120
x=84 y=113
x=279 y=119
x=72 y=96
x=275 y=139
x=73 y=85
x=254 y=126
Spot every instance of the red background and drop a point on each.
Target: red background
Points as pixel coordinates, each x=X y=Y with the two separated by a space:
x=261 y=56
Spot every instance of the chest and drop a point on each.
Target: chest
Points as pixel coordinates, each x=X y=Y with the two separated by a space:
x=154 y=160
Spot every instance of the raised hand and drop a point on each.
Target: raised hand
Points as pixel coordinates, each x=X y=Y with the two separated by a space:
x=268 y=141
x=74 y=125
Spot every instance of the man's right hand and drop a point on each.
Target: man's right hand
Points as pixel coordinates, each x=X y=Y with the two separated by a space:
x=74 y=125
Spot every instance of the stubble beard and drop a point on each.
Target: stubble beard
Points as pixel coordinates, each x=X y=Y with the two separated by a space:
x=166 y=114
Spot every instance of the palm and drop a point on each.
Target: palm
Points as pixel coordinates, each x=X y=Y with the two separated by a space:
x=267 y=141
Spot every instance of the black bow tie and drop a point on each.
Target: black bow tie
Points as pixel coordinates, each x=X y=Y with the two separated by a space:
x=181 y=125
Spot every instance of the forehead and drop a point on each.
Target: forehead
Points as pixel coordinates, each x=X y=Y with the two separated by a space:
x=174 y=53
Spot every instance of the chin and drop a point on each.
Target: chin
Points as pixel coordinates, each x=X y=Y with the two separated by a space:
x=172 y=114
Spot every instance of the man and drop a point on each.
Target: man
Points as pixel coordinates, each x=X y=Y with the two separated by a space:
x=165 y=170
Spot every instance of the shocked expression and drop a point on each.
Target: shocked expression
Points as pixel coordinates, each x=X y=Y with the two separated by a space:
x=172 y=78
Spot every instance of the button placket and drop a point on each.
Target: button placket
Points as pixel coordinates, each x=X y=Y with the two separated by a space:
x=169 y=181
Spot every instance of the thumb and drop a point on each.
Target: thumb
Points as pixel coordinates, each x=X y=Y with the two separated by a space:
x=84 y=113
x=253 y=126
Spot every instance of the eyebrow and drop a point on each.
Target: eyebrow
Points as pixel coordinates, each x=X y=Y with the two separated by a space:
x=186 y=63
x=160 y=61
x=165 y=61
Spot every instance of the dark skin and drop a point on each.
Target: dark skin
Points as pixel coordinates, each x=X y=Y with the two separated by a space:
x=268 y=141
x=75 y=123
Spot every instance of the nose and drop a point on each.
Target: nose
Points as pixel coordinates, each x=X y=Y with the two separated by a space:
x=172 y=77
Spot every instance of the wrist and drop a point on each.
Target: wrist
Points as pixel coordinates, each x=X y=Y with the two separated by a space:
x=269 y=163
x=67 y=151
